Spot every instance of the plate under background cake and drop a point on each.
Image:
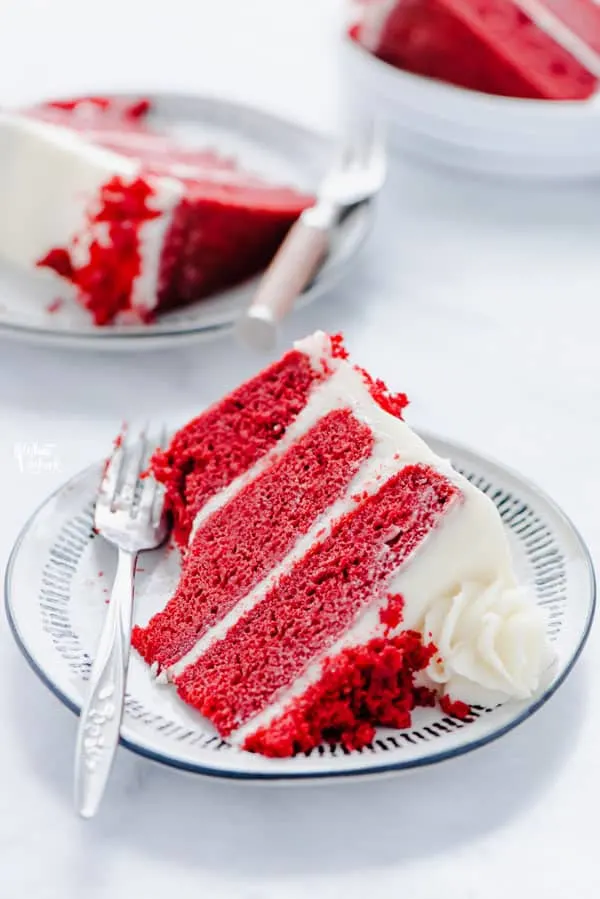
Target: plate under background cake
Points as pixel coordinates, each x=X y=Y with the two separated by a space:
x=337 y=573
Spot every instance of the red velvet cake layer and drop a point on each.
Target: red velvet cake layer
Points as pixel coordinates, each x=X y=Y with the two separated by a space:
x=243 y=541
x=219 y=236
x=317 y=601
x=212 y=450
x=485 y=45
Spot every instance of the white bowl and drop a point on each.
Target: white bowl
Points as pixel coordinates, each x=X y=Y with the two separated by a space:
x=470 y=130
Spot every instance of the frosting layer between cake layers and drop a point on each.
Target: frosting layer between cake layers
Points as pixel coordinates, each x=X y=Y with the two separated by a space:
x=347 y=532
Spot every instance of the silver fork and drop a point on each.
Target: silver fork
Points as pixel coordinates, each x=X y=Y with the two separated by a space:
x=357 y=175
x=130 y=515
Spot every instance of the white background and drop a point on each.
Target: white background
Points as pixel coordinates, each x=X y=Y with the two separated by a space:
x=481 y=300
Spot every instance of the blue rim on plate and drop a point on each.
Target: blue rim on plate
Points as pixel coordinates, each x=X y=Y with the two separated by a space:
x=325 y=769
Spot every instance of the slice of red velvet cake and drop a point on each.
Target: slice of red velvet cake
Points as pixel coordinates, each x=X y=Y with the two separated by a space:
x=336 y=572
x=134 y=220
x=516 y=48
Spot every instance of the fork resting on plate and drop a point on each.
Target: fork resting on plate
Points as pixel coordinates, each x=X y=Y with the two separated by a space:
x=356 y=176
x=129 y=514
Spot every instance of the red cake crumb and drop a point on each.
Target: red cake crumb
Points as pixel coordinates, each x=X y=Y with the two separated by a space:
x=137 y=110
x=391 y=614
x=55 y=305
x=338 y=349
x=222 y=443
x=361 y=688
x=424 y=696
x=394 y=403
x=102 y=103
x=59 y=260
x=104 y=283
x=117 y=442
x=455 y=708
x=133 y=110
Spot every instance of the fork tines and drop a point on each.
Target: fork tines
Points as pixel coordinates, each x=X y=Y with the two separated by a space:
x=127 y=484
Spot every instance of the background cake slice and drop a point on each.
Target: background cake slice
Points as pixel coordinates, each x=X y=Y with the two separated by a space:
x=493 y=46
x=339 y=575
x=131 y=219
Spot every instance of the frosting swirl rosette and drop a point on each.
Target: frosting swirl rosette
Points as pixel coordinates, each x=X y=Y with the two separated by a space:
x=491 y=643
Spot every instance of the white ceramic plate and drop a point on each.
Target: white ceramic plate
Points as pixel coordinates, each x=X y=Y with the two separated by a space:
x=279 y=150
x=57 y=583
x=474 y=131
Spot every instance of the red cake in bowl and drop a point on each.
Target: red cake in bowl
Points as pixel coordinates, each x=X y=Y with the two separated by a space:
x=535 y=49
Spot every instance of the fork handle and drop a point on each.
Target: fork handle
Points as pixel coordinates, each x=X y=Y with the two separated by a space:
x=100 y=720
x=293 y=267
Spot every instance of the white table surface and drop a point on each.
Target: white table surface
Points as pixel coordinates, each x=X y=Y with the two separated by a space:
x=482 y=301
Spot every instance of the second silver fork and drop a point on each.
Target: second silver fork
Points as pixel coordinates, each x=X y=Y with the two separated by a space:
x=129 y=514
x=357 y=176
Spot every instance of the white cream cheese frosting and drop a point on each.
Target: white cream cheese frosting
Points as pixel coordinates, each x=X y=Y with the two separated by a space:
x=490 y=640
x=50 y=178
